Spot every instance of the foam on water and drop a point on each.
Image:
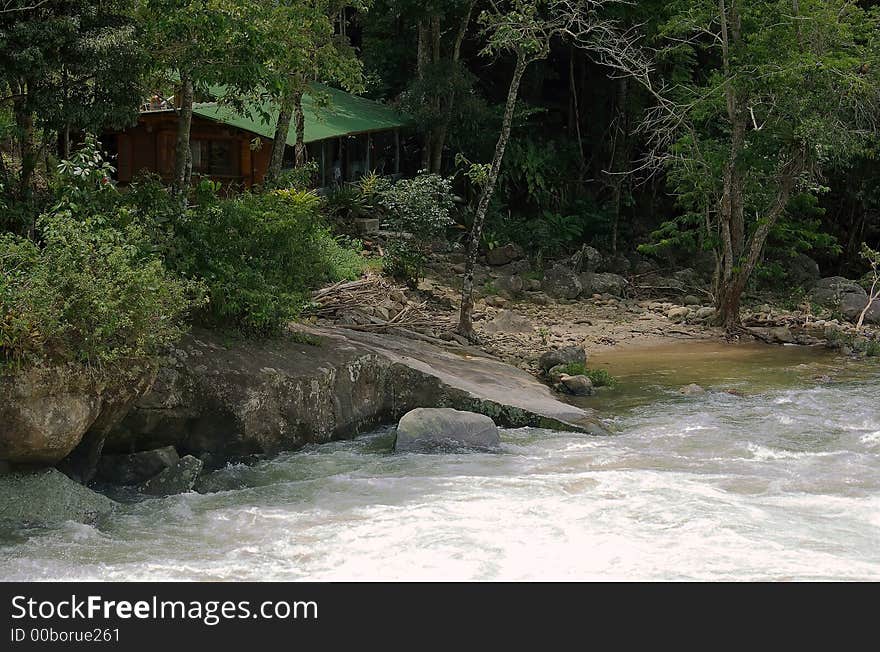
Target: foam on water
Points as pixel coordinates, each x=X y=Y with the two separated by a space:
x=782 y=484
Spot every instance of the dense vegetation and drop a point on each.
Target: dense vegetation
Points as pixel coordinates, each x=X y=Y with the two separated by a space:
x=739 y=133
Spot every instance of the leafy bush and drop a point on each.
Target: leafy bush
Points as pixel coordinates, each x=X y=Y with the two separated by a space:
x=419 y=210
x=599 y=377
x=89 y=294
x=259 y=256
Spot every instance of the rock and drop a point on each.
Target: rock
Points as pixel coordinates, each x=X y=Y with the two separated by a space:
x=46 y=412
x=578 y=385
x=618 y=265
x=838 y=293
x=48 y=497
x=366 y=225
x=802 y=271
x=496 y=301
x=510 y=285
x=509 y=322
x=705 y=313
x=607 y=283
x=517 y=267
x=426 y=430
x=533 y=284
x=560 y=282
x=136 y=468
x=503 y=255
x=691 y=390
x=564 y=356
x=678 y=314
x=232 y=399
x=177 y=479
x=781 y=334
x=461 y=268
x=591 y=259
x=5 y=467
x=691 y=300
x=688 y=276
x=852 y=305
x=539 y=298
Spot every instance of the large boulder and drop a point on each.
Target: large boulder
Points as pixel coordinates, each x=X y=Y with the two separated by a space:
x=591 y=260
x=509 y=322
x=510 y=286
x=48 y=497
x=177 y=479
x=426 y=430
x=136 y=468
x=847 y=297
x=46 y=412
x=560 y=282
x=503 y=255
x=803 y=271
x=564 y=356
x=578 y=385
x=608 y=283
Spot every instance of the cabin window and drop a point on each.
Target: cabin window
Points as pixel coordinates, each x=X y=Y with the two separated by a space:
x=219 y=158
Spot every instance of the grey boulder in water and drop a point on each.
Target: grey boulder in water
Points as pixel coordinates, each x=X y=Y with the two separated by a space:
x=48 y=497
x=426 y=430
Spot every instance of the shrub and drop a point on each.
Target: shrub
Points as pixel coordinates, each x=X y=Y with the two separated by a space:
x=89 y=294
x=599 y=377
x=259 y=256
x=419 y=210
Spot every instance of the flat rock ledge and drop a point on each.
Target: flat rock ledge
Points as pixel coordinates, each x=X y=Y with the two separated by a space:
x=222 y=400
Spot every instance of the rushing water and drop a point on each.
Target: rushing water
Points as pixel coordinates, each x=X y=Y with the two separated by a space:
x=780 y=483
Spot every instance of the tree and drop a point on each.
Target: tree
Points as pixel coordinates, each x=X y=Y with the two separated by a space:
x=306 y=49
x=202 y=45
x=778 y=90
x=68 y=65
x=526 y=29
x=873 y=259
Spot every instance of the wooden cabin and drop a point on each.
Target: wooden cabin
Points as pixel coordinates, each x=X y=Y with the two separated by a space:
x=346 y=135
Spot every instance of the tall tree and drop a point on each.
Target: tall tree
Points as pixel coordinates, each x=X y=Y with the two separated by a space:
x=200 y=46
x=68 y=65
x=307 y=48
x=526 y=29
x=779 y=89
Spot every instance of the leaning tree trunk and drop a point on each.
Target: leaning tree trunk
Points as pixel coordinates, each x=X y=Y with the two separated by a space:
x=282 y=127
x=182 y=151
x=465 y=321
x=300 y=125
x=734 y=283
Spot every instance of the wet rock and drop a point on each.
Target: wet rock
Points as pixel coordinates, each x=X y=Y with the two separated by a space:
x=136 y=468
x=561 y=282
x=678 y=314
x=578 y=385
x=177 y=479
x=48 y=497
x=691 y=390
x=503 y=255
x=564 y=356
x=426 y=430
x=509 y=322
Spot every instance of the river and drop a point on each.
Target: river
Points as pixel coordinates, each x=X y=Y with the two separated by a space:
x=781 y=482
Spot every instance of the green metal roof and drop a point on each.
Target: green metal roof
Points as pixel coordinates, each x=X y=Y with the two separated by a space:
x=343 y=115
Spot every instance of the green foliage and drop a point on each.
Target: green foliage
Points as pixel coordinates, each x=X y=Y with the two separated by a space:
x=599 y=377
x=419 y=210
x=298 y=178
x=89 y=294
x=259 y=256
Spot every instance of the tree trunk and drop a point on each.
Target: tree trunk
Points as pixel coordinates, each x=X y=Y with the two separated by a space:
x=182 y=151
x=465 y=322
x=282 y=128
x=300 y=122
x=24 y=122
x=734 y=284
x=422 y=59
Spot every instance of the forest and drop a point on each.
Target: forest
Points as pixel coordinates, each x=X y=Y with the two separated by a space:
x=735 y=137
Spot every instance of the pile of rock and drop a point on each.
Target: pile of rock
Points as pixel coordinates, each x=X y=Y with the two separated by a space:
x=553 y=366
